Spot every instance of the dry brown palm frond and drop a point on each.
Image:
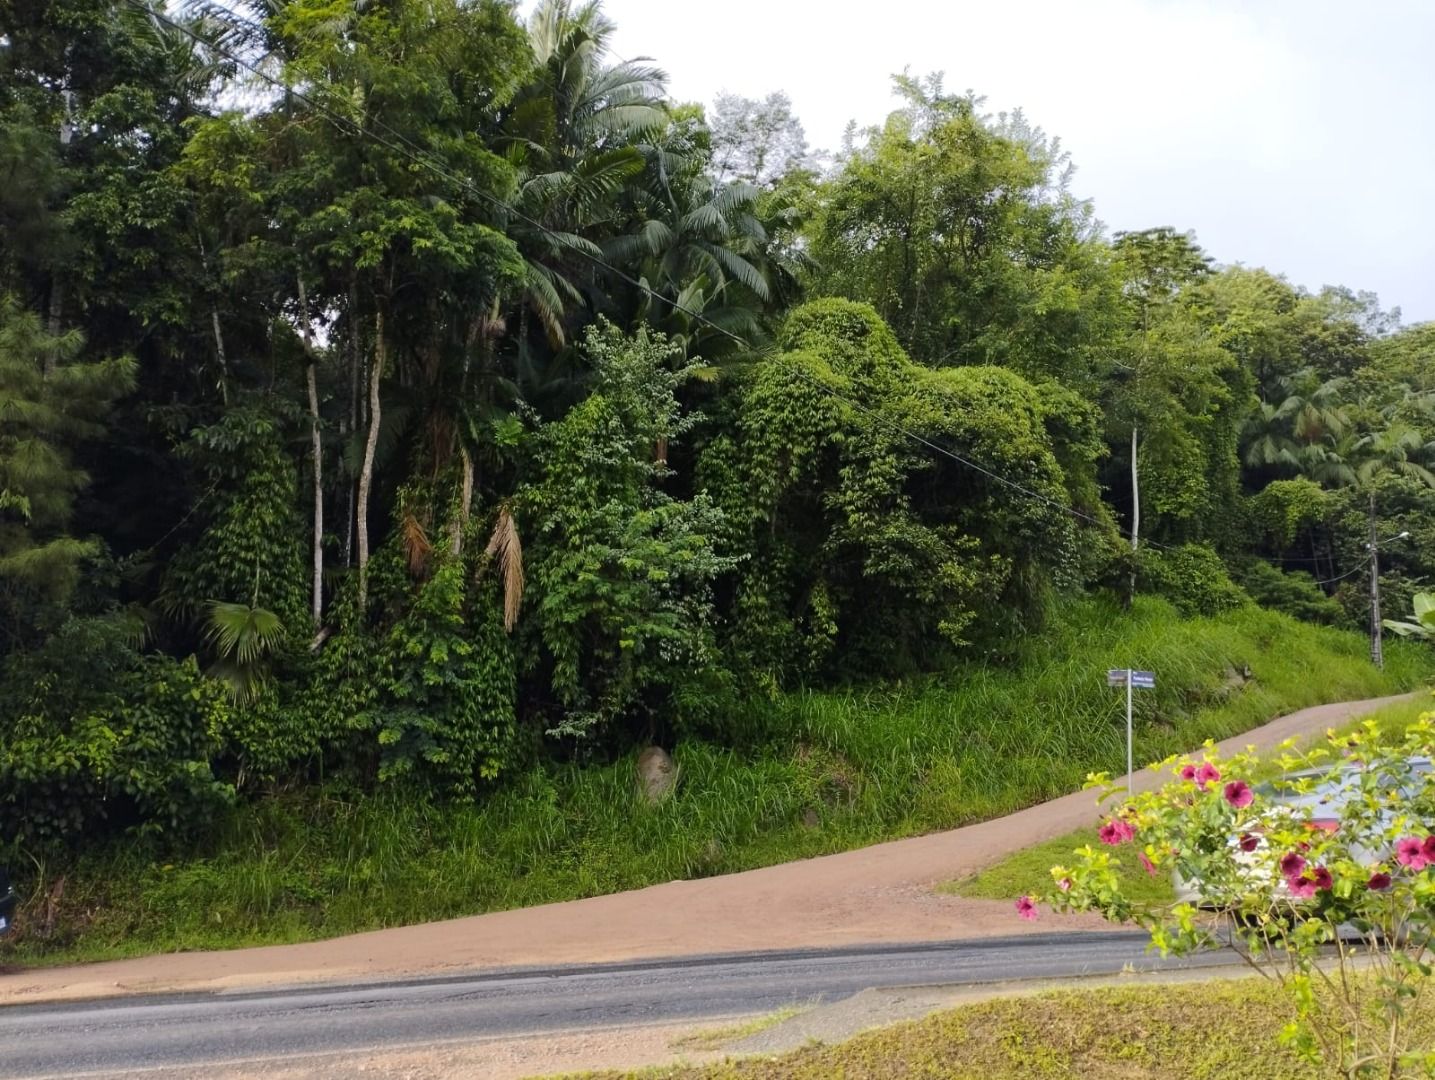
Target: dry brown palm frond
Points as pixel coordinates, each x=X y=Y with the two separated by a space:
x=416 y=545
x=507 y=551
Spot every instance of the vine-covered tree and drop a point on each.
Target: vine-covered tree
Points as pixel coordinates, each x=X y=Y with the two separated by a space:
x=400 y=393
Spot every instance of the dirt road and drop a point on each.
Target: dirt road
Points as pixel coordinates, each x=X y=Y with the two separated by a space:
x=877 y=894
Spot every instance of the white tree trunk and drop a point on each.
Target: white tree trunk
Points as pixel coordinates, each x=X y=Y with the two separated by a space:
x=1135 y=510
x=316 y=443
x=220 y=352
x=366 y=472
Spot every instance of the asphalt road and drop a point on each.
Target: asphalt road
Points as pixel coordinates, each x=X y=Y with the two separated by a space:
x=191 y=1031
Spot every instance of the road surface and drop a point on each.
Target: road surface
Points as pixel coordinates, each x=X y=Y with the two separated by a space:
x=194 y=1031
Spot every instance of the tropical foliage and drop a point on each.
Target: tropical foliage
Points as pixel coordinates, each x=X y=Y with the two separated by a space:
x=403 y=394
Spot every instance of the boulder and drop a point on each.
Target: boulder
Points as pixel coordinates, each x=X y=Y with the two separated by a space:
x=1235 y=679
x=656 y=774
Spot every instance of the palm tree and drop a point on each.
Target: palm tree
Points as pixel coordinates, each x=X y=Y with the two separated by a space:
x=1361 y=461
x=242 y=636
x=697 y=247
x=1297 y=430
x=573 y=135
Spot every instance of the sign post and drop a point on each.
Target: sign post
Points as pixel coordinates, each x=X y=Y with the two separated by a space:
x=1146 y=680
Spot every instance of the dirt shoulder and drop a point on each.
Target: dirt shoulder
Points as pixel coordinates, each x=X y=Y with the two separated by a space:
x=879 y=894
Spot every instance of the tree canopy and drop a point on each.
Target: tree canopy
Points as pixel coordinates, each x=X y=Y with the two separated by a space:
x=403 y=392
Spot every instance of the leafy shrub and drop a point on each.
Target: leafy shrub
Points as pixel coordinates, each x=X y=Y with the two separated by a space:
x=1192 y=577
x=622 y=571
x=251 y=548
x=130 y=745
x=1293 y=592
x=1285 y=508
x=446 y=687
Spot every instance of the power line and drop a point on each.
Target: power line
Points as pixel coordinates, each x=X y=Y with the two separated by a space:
x=1348 y=573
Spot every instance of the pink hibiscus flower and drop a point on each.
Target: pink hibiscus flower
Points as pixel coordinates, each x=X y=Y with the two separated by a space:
x=1064 y=884
x=1302 y=888
x=1116 y=832
x=1323 y=879
x=1378 y=881
x=1026 y=908
x=1239 y=794
x=1206 y=775
x=1291 y=865
x=1188 y=773
x=1428 y=849
x=1410 y=853
x=1249 y=842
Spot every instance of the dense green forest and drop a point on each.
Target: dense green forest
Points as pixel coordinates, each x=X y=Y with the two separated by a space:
x=406 y=399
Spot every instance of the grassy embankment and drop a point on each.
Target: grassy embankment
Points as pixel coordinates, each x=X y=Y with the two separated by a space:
x=837 y=769
x=1196 y=1031
x=1029 y=870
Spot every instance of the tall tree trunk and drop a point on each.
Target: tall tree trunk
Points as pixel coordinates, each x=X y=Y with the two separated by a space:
x=1377 y=646
x=355 y=377
x=316 y=445
x=465 y=501
x=1135 y=515
x=371 y=445
x=220 y=352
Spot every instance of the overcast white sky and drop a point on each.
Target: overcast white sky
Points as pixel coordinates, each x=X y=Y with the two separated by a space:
x=1293 y=134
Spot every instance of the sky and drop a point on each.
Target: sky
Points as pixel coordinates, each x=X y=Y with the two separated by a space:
x=1298 y=136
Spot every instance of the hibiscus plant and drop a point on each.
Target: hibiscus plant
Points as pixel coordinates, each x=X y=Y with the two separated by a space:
x=1321 y=878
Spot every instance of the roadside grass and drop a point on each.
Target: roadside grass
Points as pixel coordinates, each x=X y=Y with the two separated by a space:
x=831 y=770
x=1393 y=719
x=1028 y=870
x=714 y=1038
x=1186 y=1031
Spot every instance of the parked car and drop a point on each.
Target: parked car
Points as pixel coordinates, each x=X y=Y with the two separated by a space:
x=1321 y=808
x=7 y=901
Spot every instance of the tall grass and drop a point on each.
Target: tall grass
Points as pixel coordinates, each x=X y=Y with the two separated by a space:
x=840 y=769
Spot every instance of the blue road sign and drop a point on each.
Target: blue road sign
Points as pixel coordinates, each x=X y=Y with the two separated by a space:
x=1116 y=676
x=1144 y=679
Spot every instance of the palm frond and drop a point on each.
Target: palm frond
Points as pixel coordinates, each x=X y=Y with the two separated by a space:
x=416 y=544
x=740 y=269
x=242 y=632
x=506 y=549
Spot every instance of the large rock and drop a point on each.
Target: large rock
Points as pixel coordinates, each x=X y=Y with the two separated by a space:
x=656 y=774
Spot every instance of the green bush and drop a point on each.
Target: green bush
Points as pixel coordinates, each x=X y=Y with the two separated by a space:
x=1192 y=577
x=622 y=572
x=1294 y=593
x=1285 y=508
x=826 y=771
x=1281 y=897
x=76 y=762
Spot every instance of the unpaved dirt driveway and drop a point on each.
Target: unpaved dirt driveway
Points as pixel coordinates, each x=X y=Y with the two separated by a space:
x=873 y=895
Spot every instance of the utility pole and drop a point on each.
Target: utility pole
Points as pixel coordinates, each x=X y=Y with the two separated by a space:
x=1377 y=650
x=1135 y=515
x=1377 y=626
